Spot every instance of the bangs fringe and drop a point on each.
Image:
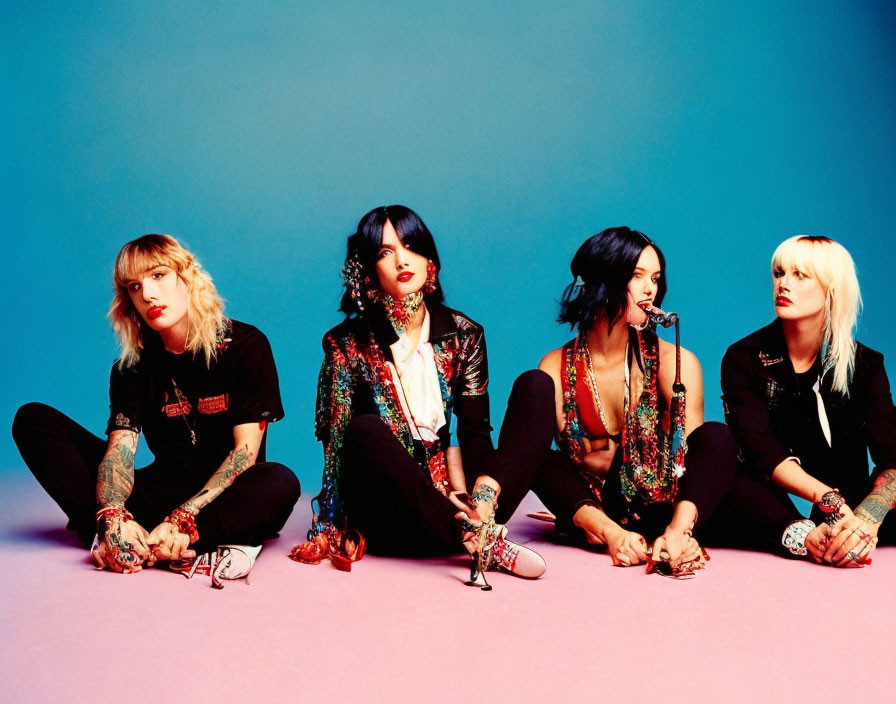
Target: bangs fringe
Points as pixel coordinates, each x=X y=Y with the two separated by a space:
x=831 y=265
x=205 y=311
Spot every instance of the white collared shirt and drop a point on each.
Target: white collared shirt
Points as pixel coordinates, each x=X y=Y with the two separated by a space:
x=417 y=380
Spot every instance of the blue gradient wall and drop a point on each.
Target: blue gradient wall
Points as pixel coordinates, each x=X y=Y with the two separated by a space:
x=259 y=134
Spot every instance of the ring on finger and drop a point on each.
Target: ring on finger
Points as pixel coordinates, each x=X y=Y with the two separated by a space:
x=866 y=548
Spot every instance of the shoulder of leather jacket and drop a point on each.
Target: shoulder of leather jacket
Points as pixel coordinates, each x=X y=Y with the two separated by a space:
x=445 y=321
x=768 y=341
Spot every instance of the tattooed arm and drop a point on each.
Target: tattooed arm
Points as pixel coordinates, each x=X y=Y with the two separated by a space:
x=879 y=502
x=169 y=542
x=848 y=536
x=115 y=476
x=122 y=546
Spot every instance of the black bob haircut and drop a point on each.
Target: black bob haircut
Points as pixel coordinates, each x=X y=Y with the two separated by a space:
x=601 y=271
x=364 y=245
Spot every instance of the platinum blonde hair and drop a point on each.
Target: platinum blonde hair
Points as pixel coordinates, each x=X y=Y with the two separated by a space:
x=831 y=265
x=205 y=309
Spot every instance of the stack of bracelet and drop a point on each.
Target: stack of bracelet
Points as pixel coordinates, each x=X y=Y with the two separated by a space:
x=487 y=533
x=105 y=514
x=185 y=522
x=829 y=505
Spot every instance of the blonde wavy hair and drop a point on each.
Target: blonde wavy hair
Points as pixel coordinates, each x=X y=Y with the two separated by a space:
x=205 y=310
x=831 y=265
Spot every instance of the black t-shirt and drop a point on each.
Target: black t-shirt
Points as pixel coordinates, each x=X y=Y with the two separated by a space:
x=171 y=398
x=806 y=436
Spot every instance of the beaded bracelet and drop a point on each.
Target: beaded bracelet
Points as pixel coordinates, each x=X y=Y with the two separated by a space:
x=105 y=514
x=185 y=523
x=830 y=504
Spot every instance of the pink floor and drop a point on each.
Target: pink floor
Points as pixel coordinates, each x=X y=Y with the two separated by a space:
x=751 y=628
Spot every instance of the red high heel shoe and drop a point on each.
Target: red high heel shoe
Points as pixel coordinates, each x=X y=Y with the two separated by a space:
x=342 y=547
x=351 y=549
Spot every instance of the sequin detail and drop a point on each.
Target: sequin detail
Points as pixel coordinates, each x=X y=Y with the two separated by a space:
x=652 y=457
x=349 y=366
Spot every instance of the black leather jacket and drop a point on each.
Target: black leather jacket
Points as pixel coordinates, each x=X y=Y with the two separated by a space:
x=768 y=413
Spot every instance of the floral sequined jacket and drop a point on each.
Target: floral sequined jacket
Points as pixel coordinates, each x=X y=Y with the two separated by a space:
x=354 y=380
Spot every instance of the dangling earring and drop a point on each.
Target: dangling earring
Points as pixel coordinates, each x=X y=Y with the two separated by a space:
x=355 y=280
x=432 y=277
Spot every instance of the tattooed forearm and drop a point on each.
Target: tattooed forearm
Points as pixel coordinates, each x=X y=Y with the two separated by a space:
x=880 y=500
x=193 y=505
x=236 y=463
x=115 y=475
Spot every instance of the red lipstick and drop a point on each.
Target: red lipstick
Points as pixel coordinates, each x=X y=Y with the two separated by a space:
x=782 y=301
x=155 y=312
x=405 y=276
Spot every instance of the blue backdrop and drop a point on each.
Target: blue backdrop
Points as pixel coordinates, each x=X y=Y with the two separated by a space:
x=258 y=134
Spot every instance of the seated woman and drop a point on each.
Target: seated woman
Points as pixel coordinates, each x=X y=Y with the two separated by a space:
x=807 y=402
x=202 y=388
x=394 y=373
x=637 y=462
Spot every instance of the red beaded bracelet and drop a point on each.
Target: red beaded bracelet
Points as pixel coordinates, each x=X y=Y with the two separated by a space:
x=185 y=523
x=105 y=514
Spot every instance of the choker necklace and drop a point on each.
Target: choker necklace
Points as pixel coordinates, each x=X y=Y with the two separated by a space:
x=400 y=313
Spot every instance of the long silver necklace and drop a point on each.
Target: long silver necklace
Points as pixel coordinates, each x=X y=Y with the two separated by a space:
x=184 y=403
x=592 y=383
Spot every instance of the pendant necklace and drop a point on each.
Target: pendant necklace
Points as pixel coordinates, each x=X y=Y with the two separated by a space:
x=184 y=403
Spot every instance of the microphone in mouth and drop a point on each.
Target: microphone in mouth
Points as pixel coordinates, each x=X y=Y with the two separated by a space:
x=660 y=317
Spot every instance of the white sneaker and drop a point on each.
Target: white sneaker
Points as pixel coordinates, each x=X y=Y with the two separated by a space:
x=228 y=562
x=235 y=561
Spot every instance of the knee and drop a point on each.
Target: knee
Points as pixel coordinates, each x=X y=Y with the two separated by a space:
x=714 y=437
x=534 y=384
x=29 y=416
x=362 y=428
x=281 y=482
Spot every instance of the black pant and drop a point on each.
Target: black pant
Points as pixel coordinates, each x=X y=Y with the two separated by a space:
x=391 y=499
x=755 y=513
x=711 y=462
x=64 y=457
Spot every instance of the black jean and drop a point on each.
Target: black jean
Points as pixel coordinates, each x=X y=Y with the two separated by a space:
x=711 y=463
x=63 y=456
x=391 y=499
x=755 y=513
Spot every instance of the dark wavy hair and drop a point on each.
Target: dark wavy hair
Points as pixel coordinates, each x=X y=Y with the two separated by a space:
x=364 y=245
x=601 y=271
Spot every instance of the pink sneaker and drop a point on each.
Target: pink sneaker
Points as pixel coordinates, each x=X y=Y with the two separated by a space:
x=518 y=559
x=496 y=552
